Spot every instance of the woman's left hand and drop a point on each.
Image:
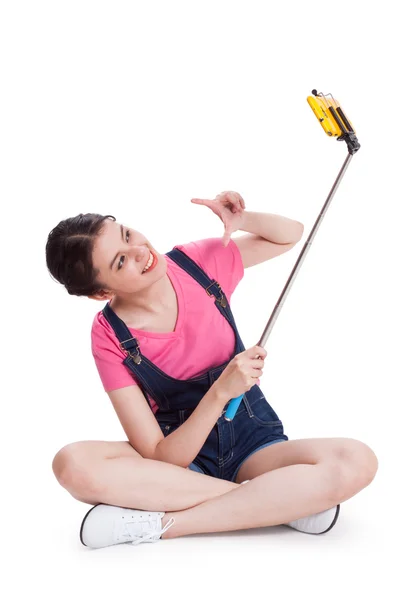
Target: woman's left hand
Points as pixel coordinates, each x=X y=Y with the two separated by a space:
x=229 y=206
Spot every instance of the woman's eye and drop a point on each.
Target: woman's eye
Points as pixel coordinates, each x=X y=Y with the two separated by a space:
x=127 y=236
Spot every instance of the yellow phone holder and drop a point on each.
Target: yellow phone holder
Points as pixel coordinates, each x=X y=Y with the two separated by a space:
x=333 y=119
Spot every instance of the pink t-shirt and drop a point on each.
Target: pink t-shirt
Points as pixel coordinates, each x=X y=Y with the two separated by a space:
x=187 y=351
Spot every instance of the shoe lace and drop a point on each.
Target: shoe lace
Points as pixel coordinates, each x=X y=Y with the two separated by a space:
x=151 y=536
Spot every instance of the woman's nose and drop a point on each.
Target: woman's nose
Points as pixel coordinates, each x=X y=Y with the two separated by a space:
x=139 y=253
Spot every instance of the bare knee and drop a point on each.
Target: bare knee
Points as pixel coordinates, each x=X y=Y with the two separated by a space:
x=70 y=467
x=60 y=462
x=352 y=467
x=360 y=460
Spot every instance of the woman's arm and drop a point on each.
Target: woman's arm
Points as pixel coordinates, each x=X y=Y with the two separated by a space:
x=145 y=435
x=183 y=445
x=269 y=236
x=274 y=228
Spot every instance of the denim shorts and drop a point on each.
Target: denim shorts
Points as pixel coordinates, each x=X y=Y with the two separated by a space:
x=230 y=443
x=194 y=467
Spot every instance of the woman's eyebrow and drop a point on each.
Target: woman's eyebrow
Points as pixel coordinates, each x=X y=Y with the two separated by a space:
x=122 y=238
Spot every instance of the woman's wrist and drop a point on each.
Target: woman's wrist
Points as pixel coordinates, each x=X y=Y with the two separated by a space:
x=220 y=395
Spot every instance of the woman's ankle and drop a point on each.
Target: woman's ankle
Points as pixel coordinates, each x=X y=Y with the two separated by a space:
x=170 y=531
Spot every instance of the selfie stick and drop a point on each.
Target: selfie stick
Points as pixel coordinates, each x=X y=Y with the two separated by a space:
x=335 y=124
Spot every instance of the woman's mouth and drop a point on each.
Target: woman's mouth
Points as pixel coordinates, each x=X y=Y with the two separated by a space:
x=151 y=263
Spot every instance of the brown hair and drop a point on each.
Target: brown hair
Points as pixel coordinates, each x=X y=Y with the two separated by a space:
x=69 y=250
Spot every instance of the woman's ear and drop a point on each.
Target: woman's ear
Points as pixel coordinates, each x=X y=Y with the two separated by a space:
x=102 y=295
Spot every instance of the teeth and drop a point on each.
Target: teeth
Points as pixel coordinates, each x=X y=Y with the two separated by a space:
x=149 y=263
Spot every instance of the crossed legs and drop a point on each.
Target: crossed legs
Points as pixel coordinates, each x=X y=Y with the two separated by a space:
x=288 y=481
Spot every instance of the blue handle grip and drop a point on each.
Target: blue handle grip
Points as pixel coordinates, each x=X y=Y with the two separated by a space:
x=232 y=408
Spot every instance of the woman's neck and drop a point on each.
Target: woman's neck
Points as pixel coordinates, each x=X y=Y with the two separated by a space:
x=153 y=300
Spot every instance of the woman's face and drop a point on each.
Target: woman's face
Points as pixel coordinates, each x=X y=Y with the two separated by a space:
x=121 y=254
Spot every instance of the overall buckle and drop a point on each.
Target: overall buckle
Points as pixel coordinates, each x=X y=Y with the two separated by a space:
x=137 y=359
x=222 y=299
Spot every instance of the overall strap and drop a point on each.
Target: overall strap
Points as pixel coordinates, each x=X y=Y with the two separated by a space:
x=126 y=341
x=211 y=286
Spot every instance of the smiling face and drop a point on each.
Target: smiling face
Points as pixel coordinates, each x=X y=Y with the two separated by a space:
x=126 y=261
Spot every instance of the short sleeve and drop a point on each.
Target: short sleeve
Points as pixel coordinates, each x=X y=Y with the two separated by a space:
x=222 y=263
x=108 y=356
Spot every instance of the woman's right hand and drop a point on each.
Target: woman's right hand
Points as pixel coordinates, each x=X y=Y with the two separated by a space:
x=241 y=373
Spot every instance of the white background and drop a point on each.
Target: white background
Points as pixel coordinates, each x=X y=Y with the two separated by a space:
x=131 y=109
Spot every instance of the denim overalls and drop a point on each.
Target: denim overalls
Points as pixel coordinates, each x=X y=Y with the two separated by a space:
x=229 y=443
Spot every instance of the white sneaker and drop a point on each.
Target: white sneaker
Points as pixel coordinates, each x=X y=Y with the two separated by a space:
x=106 y=525
x=319 y=523
x=316 y=524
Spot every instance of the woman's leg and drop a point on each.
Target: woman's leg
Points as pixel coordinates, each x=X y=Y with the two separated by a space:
x=288 y=481
x=358 y=460
x=113 y=473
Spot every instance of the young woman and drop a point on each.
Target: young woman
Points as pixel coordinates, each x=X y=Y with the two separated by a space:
x=170 y=358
